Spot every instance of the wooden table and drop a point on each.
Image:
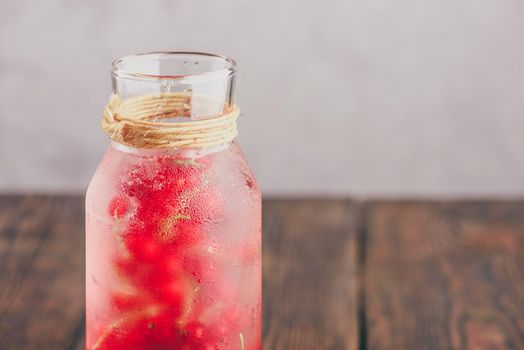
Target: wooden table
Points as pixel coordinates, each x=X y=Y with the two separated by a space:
x=338 y=274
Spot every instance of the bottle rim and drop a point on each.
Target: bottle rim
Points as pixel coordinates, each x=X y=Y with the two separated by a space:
x=222 y=66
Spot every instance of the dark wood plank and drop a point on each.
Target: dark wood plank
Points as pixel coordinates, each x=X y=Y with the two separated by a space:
x=445 y=276
x=309 y=274
x=41 y=272
x=309 y=258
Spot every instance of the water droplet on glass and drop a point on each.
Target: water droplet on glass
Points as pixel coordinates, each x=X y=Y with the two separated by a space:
x=166 y=86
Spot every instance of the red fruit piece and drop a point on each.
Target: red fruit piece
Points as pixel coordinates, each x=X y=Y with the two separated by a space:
x=171 y=209
x=186 y=176
x=125 y=301
x=177 y=230
x=145 y=328
x=162 y=332
x=143 y=246
x=117 y=207
x=196 y=331
x=179 y=294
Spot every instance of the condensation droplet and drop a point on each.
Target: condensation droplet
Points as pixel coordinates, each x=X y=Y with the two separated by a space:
x=166 y=86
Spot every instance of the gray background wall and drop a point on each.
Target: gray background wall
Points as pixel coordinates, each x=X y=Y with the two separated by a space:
x=378 y=98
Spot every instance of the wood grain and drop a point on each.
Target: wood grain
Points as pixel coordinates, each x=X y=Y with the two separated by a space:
x=444 y=275
x=41 y=273
x=309 y=257
x=337 y=275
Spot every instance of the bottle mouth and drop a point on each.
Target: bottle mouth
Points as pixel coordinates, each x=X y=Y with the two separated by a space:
x=175 y=65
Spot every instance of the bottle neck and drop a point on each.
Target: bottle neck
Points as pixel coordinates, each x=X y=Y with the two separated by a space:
x=172 y=100
x=208 y=79
x=174 y=151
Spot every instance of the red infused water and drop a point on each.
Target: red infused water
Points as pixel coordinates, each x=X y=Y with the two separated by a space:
x=173 y=249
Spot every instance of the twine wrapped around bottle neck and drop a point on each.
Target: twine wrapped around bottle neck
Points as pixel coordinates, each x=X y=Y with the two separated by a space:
x=135 y=122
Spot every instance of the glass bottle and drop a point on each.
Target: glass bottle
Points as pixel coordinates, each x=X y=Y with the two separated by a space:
x=173 y=234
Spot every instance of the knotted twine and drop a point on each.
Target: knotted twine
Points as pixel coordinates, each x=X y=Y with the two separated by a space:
x=137 y=122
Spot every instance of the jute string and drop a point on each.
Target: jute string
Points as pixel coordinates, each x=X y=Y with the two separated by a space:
x=137 y=122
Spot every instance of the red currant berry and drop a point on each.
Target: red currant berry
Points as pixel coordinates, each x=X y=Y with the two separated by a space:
x=117 y=207
x=196 y=331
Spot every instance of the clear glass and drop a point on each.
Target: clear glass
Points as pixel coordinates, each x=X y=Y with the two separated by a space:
x=173 y=236
x=210 y=78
